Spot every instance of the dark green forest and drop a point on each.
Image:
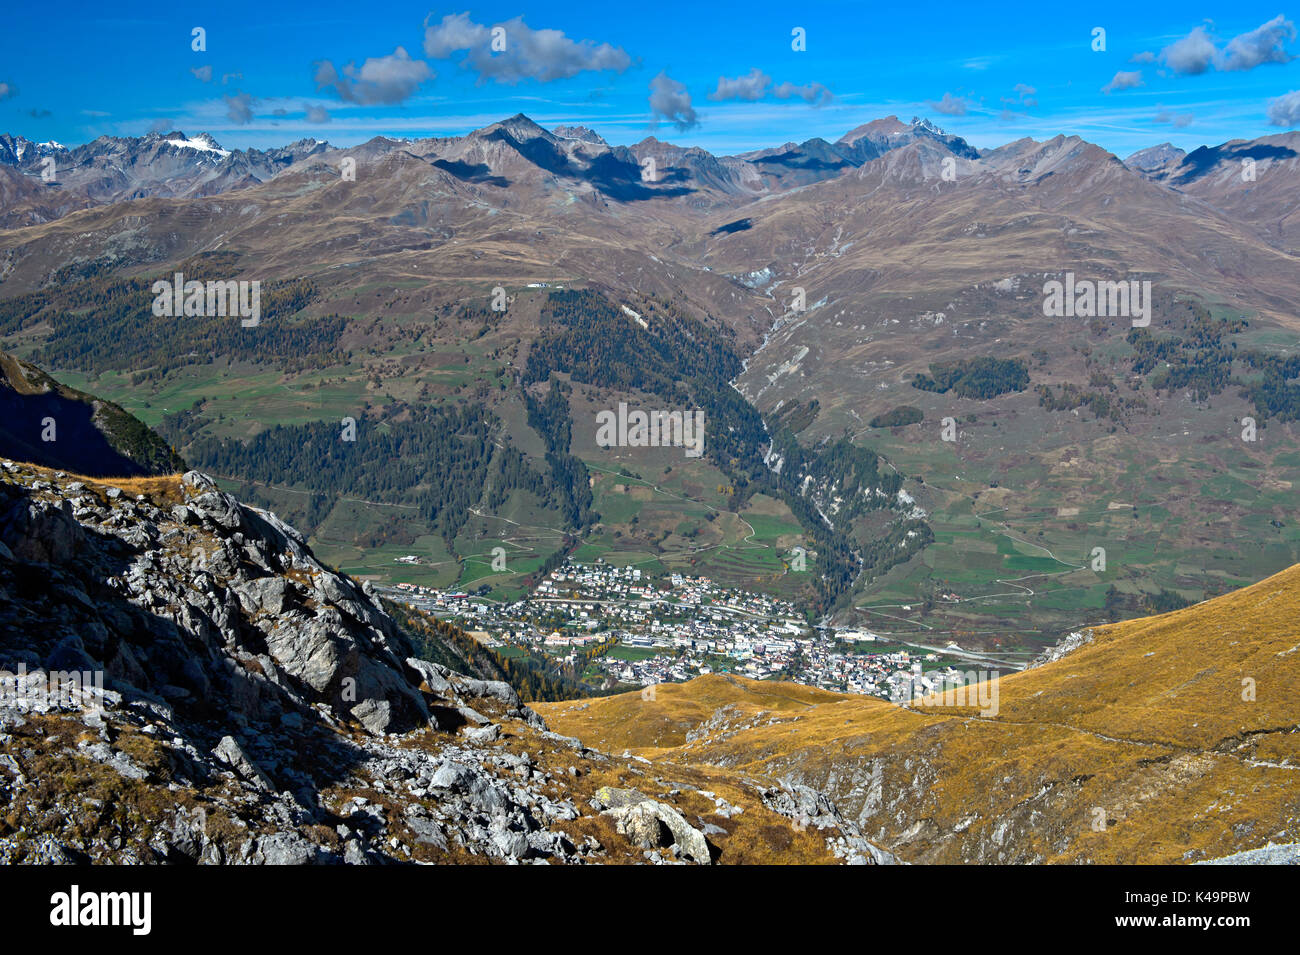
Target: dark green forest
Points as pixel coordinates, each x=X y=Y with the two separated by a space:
x=979 y=378
x=550 y=419
x=897 y=417
x=434 y=458
x=689 y=364
x=100 y=323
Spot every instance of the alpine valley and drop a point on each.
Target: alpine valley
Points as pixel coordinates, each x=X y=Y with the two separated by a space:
x=368 y=581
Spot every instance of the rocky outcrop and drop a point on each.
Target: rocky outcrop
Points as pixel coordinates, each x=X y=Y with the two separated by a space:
x=206 y=604
x=810 y=808
x=183 y=681
x=204 y=634
x=653 y=825
x=1066 y=645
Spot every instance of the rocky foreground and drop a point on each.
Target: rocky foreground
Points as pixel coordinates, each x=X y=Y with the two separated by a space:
x=184 y=682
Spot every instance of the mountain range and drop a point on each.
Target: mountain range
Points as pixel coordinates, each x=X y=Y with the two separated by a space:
x=829 y=280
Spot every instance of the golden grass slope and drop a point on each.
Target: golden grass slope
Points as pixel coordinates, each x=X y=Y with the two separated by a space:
x=162 y=490
x=1165 y=739
x=660 y=718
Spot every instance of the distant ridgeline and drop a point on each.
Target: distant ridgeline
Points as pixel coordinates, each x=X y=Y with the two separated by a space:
x=44 y=422
x=686 y=362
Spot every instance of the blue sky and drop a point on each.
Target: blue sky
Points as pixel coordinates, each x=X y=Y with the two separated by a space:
x=275 y=72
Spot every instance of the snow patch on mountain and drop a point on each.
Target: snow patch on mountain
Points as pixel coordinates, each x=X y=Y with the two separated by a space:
x=203 y=144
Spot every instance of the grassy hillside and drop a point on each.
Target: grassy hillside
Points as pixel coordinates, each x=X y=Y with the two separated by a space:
x=1165 y=739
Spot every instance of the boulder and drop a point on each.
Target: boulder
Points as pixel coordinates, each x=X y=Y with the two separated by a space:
x=654 y=825
x=232 y=754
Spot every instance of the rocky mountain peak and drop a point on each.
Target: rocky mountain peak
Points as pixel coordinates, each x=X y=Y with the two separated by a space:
x=580 y=133
x=887 y=126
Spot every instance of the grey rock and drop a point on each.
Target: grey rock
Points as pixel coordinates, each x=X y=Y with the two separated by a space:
x=655 y=825
x=1287 y=853
x=284 y=848
x=41 y=532
x=101 y=752
x=427 y=831
x=489 y=689
x=483 y=734
x=473 y=716
x=432 y=674
x=265 y=594
x=374 y=715
x=232 y=754
x=511 y=844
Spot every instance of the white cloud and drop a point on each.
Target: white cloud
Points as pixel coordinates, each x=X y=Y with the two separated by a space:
x=756 y=84
x=1285 y=110
x=1197 y=52
x=542 y=55
x=239 y=108
x=752 y=86
x=1193 y=54
x=950 y=105
x=381 y=80
x=202 y=73
x=456 y=32
x=669 y=100
x=1176 y=120
x=1264 y=44
x=814 y=93
x=1123 y=80
x=317 y=114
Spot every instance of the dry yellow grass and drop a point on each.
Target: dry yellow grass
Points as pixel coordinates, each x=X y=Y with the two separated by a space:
x=1150 y=729
x=160 y=489
x=662 y=718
